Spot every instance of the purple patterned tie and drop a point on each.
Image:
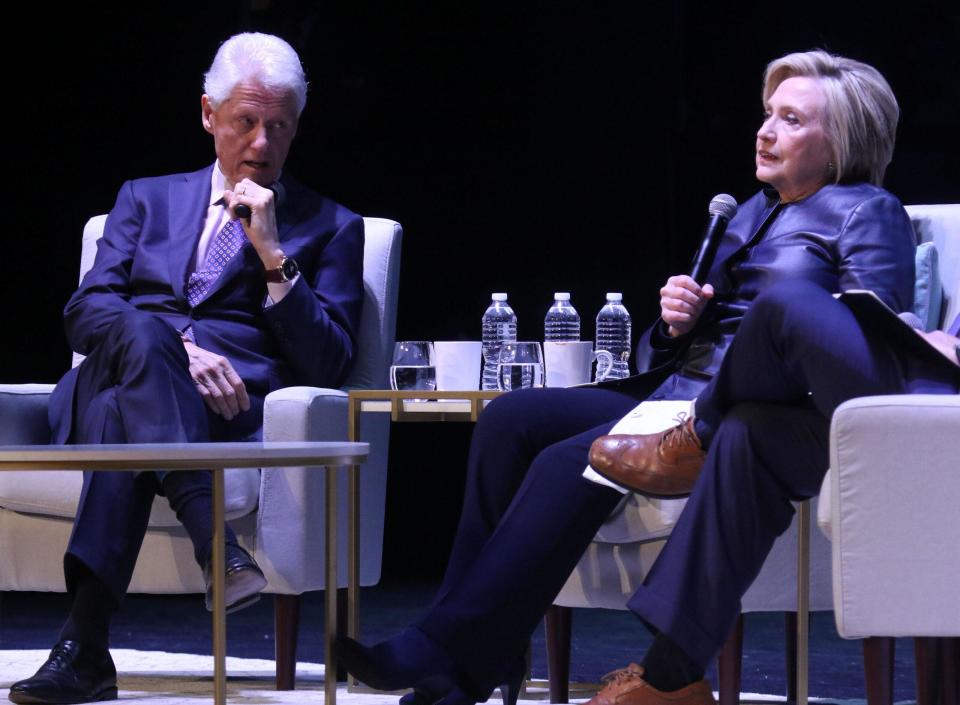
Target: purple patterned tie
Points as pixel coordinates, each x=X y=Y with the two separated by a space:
x=224 y=246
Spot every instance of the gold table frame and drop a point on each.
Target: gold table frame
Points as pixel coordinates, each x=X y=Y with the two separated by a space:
x=215 y=457
x=405 y=406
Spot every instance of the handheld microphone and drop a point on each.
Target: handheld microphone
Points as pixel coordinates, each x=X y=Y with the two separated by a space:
x=242 y=210
x=722 y=209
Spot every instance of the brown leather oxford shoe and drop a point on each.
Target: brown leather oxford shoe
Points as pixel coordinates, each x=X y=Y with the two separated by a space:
x=664 y=464
x=627 y=687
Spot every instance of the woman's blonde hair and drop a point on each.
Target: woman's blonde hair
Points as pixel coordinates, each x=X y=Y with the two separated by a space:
x=861 y=113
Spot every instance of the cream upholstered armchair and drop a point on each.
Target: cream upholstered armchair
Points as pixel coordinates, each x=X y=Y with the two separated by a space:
x=888 y=502
x=276 y=513
x=621 y=554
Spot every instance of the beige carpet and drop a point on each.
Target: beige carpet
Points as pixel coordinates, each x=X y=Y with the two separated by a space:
x=161 y=678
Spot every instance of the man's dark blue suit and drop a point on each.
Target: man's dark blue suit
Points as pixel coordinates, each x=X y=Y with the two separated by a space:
x=127 y=316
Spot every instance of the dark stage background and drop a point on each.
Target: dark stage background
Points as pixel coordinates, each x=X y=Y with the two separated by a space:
x=524 y=147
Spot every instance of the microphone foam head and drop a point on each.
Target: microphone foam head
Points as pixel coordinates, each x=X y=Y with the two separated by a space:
x=723 y=204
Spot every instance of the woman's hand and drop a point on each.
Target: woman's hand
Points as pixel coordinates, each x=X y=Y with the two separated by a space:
x=681 y=302
x=217 y=382
x=944 y=342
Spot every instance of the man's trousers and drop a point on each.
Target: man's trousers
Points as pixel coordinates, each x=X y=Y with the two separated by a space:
x=135 y=387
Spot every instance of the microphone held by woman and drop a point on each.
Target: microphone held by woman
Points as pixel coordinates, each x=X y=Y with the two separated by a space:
x=722 y=208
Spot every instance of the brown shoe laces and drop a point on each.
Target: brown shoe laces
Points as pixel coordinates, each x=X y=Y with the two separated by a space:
x=631 y=672
x=680 y=435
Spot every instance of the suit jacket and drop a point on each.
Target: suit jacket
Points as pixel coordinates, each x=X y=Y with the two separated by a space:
x=845 y=236
x=146 y=254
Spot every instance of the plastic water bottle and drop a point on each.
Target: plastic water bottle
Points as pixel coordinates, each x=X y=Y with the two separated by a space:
x=499 y=326
x=613 y=334
x=562 y=323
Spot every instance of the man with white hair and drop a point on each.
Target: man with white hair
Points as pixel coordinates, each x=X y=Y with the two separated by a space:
x=209 y=290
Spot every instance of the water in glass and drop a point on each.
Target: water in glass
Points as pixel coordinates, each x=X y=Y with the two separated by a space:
x=403 y=377
x=413 y=366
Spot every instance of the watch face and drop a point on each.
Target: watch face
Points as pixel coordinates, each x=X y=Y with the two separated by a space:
x=289 y=268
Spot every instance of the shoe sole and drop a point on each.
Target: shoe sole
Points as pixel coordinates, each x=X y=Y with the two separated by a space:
x=242 y=604
x=645 y=493
x=244 y=590
x=27 y=699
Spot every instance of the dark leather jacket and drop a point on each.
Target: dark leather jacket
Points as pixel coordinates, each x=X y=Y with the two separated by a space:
x=852 y=236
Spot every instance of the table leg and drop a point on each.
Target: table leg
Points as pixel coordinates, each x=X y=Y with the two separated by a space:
x=353 y=542
x=803 y=599
x=353 y=552
x=219 y=616
x=331 y=627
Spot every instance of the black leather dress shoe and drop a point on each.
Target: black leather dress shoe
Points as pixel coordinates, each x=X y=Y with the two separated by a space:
x=243 y=583
x=73 y=673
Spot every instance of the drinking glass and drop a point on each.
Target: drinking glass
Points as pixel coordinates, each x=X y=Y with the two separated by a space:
x=413 y=366
x=520 y=366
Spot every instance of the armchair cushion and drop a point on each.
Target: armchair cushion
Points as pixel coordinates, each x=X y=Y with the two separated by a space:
x=940 y=224
x=638 y=517
x=23 y=421
x=927 y=291
x=56 y=493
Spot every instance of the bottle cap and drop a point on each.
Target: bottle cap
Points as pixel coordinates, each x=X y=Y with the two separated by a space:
x=614 y=296
x=499 y=297
x=562 y=296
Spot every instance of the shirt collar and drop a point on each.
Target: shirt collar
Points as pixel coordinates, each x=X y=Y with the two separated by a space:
x=217 y=184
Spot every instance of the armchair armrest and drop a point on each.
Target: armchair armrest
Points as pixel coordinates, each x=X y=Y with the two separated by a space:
x=290 y=521
x=305 y=413
x=893 y=488
x=23 y=414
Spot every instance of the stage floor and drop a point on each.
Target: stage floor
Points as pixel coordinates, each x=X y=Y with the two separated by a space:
x=171 y=635
x=161 y=678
